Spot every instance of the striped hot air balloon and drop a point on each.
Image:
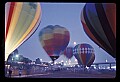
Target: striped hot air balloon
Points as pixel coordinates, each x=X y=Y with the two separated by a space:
x=54 y=39
x=99 y=23
x=68 y=52
x=21 y=21
x=84 y=53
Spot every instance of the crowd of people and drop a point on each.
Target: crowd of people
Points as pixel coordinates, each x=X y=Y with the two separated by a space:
x=51 y=69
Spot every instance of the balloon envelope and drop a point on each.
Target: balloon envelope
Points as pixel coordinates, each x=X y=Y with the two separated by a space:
x=54 y=39
x=84 y=53
x=99 y=23
x=21 y=20
x=68 y=52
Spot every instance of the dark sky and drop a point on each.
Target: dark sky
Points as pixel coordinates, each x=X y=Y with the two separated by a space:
x=66 y=15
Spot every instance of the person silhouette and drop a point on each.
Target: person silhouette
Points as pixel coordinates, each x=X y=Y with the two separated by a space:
x=20 y=73
x=10 y=72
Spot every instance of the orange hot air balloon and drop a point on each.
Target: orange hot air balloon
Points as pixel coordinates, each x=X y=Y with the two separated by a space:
x=99 y=23
x=21 y=21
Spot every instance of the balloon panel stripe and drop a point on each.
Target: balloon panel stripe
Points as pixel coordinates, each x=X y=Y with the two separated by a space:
x=50 y=53
x=109 y=8
x=83 y=55
x=59 y=31
x=34 y=22
x=82 y=17
x=95 y=22
x=88 y=57
x=12 y=26
x=88 y=32
x=7 y=8
x=91 y=61
x=18 y=31
x=91 y=58
x=47 y=36
x=49 y=42
x=92 y=30
x=83 y=58
x=9 y=18
x=33 y=29
x=105 y=24
x=16 y=39
x=90 y=35
x=79 y=54
x=28 y=33
x=89 y=25
x=106 y=27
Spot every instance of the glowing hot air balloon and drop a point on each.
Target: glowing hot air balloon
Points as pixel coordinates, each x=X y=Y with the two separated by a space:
x=99 y=23
x=54 y=39
x=84 y=53
x=68 y=52
x=21 y=20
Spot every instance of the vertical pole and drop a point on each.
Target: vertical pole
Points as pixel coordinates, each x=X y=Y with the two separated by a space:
x=110 y=65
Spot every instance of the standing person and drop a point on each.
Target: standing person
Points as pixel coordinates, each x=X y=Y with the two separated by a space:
x=20 y=72
x=10 y=72
x=6 y=70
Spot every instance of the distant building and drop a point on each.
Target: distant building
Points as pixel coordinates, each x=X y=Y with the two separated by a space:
x=37 y=61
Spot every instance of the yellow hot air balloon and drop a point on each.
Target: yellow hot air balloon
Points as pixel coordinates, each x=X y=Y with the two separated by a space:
x=21 y=21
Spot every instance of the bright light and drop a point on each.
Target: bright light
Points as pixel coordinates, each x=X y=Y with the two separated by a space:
x=74 y=43
x=61 y=60
x=16 y=56
x=32 y=62
x=55 y=62
x=113 y=67
x=75 y=60
x=87 y=67
x=106 y=60
x=95 y=67
x=40 y=59
x=50 y=61
x=64 y=63
x=51 y=64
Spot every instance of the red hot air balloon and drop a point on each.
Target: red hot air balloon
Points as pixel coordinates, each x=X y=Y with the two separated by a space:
x=84 y=53
x=99 y=23
x=68 y=52
x=21 y=21
x=54 y=39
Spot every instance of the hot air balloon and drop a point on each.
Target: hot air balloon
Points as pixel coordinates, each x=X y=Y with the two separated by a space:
x=84 y=53
x=99 y=23
x=68 y=52
x=21 y=21
x=54 y=39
